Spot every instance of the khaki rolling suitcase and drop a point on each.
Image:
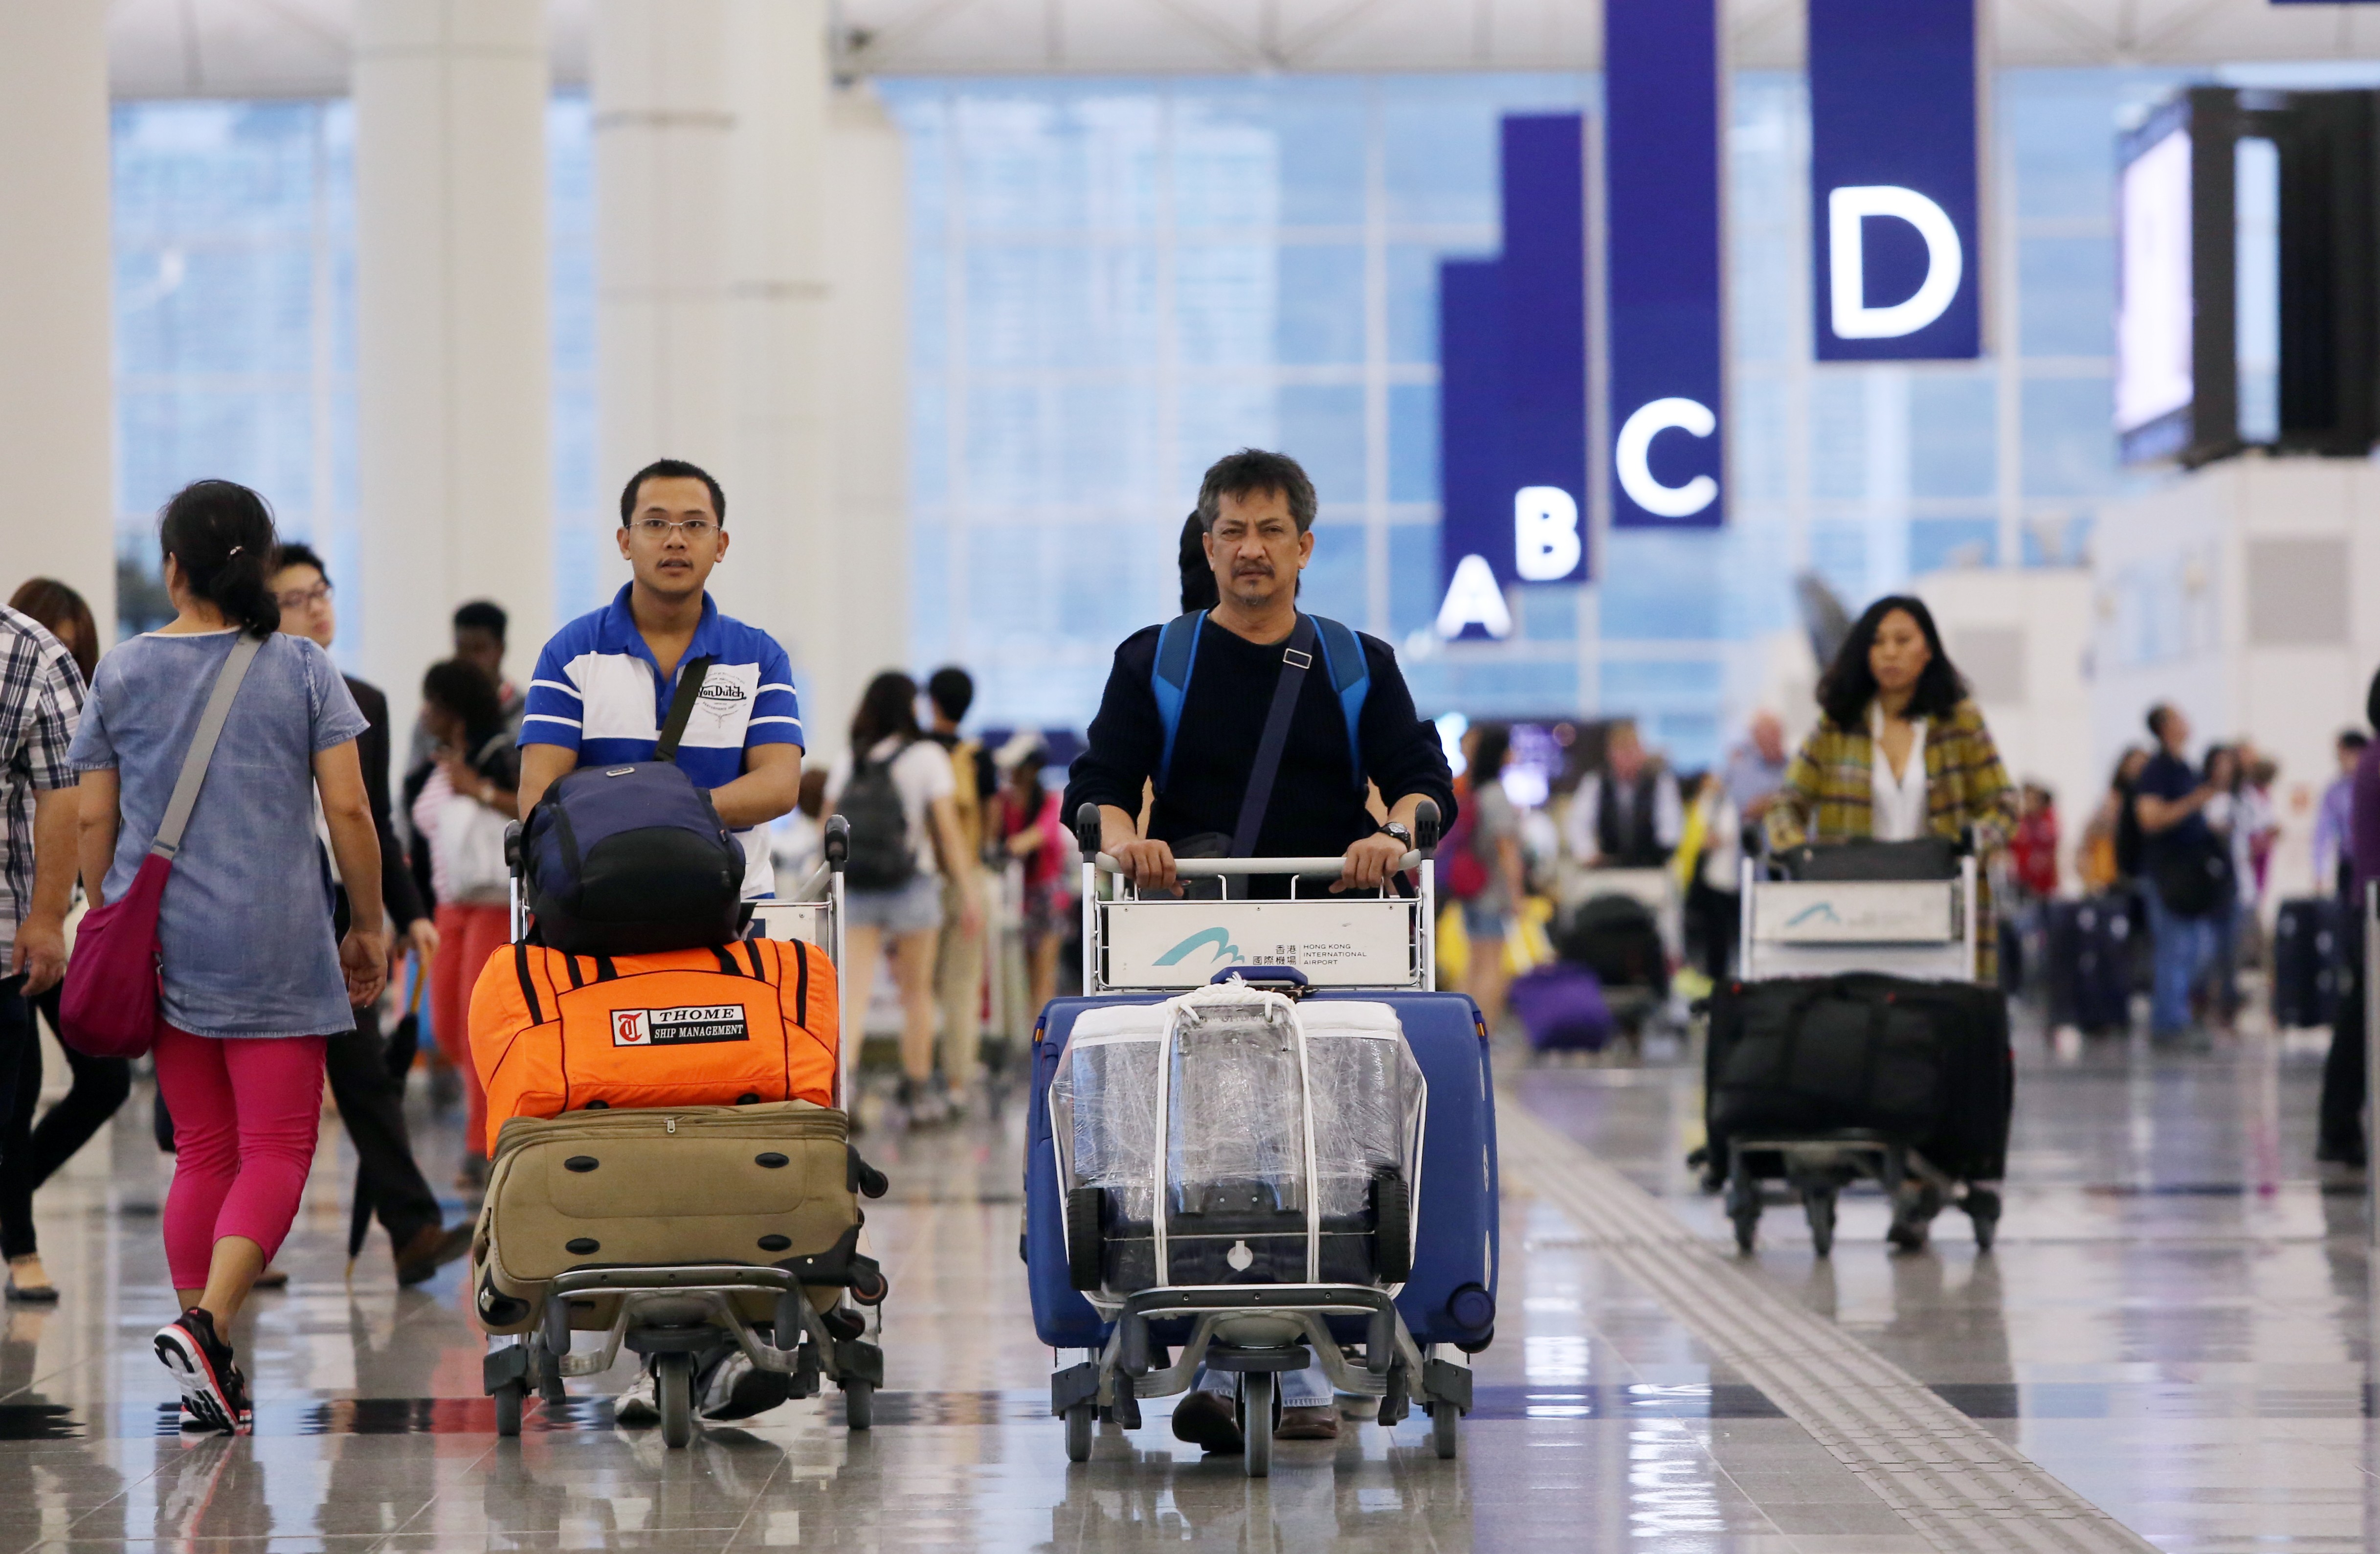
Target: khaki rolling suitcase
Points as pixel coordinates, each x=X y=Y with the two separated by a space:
x=762 y=1185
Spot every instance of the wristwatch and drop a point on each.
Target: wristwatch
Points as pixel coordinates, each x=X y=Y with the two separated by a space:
x=1397 y=829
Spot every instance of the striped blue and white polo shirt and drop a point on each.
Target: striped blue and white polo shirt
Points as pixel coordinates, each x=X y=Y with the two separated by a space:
x=600 y=691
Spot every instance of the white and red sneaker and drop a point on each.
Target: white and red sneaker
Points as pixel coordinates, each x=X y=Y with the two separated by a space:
x=214 y=1395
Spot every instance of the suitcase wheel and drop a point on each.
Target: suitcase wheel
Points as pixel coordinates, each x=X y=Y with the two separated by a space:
x=859 y=1406
x=1078 y=1433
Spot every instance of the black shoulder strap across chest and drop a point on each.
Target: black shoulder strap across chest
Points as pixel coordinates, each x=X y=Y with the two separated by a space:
x=689 y=690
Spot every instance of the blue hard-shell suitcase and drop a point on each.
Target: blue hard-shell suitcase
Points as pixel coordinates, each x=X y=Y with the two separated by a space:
x=1456 y=1233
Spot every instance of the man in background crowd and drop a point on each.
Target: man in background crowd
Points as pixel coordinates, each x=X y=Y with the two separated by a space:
x=1756 y=769
x=1629 y=814
x=480 y=642
x=958 y=957
x=371 y=1099
x=2188 y=869
x=2332 y=865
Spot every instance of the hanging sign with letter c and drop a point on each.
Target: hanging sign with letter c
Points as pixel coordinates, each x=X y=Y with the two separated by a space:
x=1661 y=177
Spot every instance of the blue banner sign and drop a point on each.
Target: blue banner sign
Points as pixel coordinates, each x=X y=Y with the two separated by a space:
x=1513 y=387
x=1661 y=180
x=1894 y=179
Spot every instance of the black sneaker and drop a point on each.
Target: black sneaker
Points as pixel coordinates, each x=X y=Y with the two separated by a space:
x=212 y=1390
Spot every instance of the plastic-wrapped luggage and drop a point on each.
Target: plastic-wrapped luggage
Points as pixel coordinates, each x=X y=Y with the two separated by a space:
x=1280 y=1143
x=1449 y=1293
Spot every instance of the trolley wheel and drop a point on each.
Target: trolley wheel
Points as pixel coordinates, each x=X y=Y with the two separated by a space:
x=509 y=1398
x=1818 y=1204
x=1744 y=1208
x=859 y=1406
x=1913 y=1216
x=1983 y=1206
x=1445 y=1427
x=1255 y=1422
x=673 y=1391
x=1078 y=1433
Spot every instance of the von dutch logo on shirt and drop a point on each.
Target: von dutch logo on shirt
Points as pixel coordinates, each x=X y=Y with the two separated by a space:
x=723 y=707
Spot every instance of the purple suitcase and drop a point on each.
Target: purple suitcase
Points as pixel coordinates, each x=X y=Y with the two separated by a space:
x=1562 y=1008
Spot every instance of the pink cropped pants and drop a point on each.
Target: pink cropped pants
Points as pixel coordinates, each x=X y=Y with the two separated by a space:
x=247 y=1112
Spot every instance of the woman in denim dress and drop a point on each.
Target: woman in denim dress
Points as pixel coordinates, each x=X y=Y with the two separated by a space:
x=251 y=980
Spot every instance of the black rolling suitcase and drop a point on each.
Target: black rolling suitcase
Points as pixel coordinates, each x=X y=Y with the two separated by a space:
x=2090 y=949
x=2309 y=962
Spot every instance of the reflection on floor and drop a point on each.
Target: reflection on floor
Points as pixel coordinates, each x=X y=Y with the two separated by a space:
x=2173 y=1325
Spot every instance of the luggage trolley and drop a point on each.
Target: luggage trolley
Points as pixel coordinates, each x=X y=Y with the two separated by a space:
x=674 y=1311
x=1916 y=928
x=1401 y=1339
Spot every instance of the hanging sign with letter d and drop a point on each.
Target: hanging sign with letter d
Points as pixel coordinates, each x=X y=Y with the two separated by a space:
x=1897 y=259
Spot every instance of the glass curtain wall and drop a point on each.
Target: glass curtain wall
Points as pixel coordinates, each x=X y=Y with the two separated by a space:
x=1117 y=281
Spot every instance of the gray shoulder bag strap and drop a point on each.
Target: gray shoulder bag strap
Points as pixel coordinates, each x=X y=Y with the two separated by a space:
x=202 y=747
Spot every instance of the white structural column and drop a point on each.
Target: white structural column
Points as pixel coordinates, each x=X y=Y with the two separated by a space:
x=864 y=539
x=780 y=467
x=56 y=399
x=455 y=333
x=751 y=307
x=663 y=125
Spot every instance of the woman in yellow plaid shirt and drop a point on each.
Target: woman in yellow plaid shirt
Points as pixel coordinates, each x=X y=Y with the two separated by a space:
x=1902 y=752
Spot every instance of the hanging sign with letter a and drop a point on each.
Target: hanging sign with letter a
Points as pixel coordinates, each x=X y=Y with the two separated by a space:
x=1898 y=260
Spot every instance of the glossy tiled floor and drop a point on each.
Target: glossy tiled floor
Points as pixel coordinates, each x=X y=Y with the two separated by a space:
x=2173 y=1326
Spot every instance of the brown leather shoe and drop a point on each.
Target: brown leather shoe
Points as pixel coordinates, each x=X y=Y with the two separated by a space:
x=429 y=1249
x=1308 y=1423
x=1203 y=1419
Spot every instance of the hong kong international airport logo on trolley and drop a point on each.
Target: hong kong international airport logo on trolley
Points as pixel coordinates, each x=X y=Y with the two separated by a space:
x=684 y=1026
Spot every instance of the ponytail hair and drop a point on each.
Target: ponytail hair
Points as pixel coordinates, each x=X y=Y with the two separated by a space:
x=220 y=534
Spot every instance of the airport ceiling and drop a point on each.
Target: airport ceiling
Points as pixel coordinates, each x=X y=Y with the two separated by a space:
x=298 y=48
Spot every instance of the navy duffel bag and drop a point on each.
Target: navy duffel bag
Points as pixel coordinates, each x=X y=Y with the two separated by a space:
x=631 y=859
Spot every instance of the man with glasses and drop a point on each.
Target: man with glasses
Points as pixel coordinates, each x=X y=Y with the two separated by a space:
x=602 y=691
x=370 y=1097
x=603 y=686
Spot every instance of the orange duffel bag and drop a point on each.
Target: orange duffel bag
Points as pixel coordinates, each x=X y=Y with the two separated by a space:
x=742 y=1023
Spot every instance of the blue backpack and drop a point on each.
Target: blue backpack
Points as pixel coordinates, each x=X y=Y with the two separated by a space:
x=632 y=858
x=1177 y=659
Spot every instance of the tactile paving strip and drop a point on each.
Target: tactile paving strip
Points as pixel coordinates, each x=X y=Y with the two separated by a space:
x=1963 y=1489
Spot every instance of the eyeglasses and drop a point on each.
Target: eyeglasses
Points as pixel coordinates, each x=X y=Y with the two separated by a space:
x=696 y=529
x=304 y=598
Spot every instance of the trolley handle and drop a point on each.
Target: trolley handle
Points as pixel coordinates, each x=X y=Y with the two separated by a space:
x=1264 y=976
x=1216 y=868
x=838 y=842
